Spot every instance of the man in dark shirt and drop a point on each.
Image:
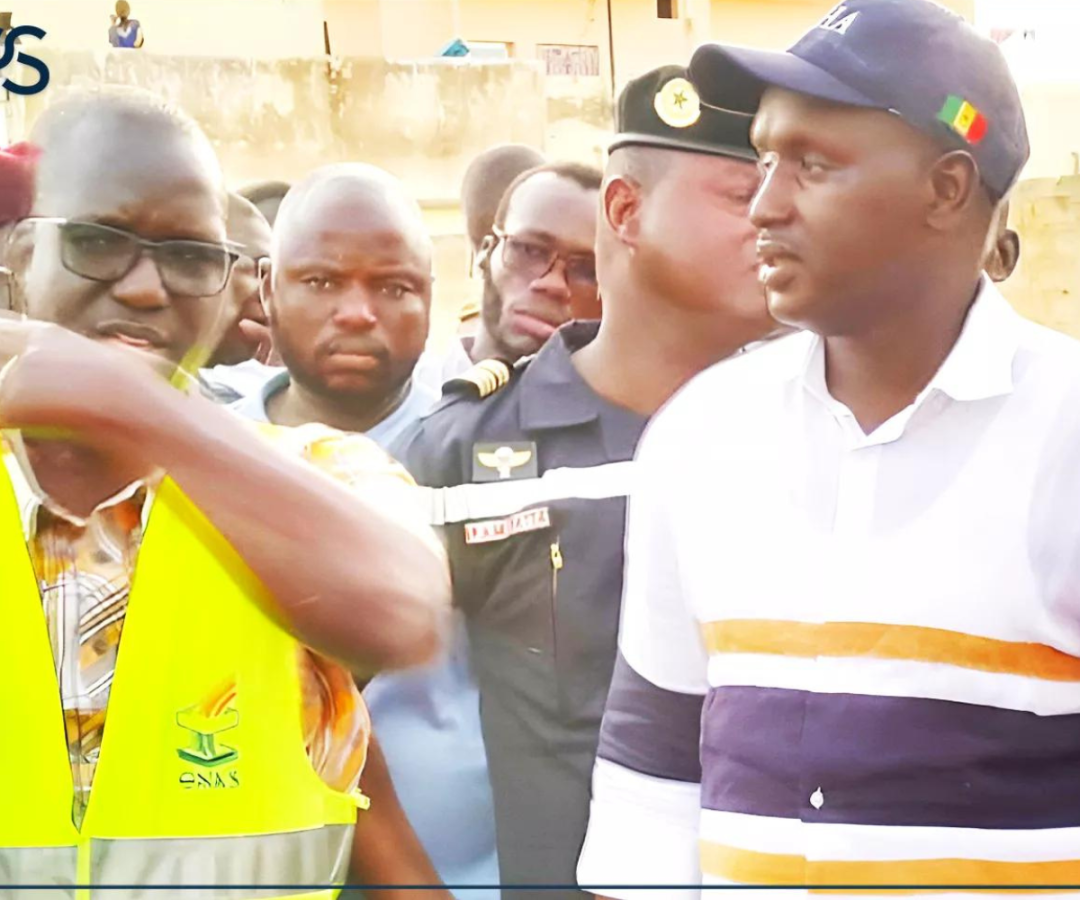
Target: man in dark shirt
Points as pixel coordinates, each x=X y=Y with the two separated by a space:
x=536 y=459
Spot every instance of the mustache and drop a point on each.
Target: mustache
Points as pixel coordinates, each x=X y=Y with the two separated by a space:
x=353 y=347
x=770 y=248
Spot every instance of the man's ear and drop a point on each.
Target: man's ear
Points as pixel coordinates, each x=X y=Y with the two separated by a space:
x=954 y=186
x=17 y=241
x=483 y=256
x=620 y=205
x=1003 y=256
x=1010 y=252
x=266 y=285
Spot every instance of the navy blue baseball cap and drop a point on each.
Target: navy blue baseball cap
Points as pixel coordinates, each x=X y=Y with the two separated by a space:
x=913 y=58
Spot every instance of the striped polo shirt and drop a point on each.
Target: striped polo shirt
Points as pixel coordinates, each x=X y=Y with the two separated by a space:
x=851 y=659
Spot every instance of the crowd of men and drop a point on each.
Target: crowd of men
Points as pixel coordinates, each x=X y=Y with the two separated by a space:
x=758 y=364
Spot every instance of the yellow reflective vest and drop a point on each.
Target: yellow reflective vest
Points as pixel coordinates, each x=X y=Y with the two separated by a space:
x=203 y=777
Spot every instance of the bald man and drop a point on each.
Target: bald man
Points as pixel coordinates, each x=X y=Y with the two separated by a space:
x=348 y=292
x=348 y=297
x=267 y=197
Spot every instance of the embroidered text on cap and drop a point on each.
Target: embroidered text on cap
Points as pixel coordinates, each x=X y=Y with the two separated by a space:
x=838 y=19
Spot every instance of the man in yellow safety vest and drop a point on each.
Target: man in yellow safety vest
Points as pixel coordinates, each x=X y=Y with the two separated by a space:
x=177 y=756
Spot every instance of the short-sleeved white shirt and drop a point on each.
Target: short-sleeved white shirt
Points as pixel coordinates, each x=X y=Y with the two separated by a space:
x=869 y=645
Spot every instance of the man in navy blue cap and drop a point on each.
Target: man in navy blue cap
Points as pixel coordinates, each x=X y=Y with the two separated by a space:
x=536 y=459
x=850 y=636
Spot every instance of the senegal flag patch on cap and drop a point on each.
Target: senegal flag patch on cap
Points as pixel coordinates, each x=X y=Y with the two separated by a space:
x=963 y=118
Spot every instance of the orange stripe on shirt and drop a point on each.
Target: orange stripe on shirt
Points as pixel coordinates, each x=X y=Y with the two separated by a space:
x=877 y=641
x=751 y=867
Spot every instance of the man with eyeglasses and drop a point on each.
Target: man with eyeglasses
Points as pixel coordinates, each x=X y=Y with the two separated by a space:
x=482 y=188
x=536 y=460
x=165 y=569
x=538 y=263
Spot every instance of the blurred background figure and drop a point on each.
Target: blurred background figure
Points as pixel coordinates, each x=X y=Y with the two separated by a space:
x=485 y=182
x=267 y=197
x=538 y=260
x=125 y=31
x=238 y=365
x=247 y=360
x=482 y=189
x=251 y=233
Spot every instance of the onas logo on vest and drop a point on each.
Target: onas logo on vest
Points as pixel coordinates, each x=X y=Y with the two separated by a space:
x=212 y=758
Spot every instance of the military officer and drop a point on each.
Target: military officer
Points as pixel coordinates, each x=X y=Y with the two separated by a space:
x=535 y=458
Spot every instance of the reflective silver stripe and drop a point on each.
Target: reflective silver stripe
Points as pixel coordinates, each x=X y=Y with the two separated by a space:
x=316 y=857
x=38 y=866
x=466 y=502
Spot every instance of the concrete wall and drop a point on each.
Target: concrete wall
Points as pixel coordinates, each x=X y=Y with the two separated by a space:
x=421 y=121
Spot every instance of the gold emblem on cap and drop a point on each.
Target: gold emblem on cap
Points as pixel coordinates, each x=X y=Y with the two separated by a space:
x=677 y=103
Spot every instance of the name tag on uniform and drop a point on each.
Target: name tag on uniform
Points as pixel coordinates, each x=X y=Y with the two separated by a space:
x=501 y=529
x=502 y=462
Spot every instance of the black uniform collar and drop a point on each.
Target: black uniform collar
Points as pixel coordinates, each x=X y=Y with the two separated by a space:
x=554 y=395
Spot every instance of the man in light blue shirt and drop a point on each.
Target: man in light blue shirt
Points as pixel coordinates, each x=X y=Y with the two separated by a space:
x=418 y=401
x=348 y=295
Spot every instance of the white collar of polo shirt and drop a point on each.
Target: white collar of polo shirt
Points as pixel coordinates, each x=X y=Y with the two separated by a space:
x=979 y=367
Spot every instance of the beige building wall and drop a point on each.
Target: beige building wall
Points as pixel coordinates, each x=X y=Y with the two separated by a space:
x=644 y=41
x=1046 y=284
x=408 y=29
x=578 y=107
x=1053 y=128
x=262 y=29
x=355 y=27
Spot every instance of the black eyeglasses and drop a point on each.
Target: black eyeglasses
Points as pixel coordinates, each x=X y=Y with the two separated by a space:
x=107 y=254
x=534 y=259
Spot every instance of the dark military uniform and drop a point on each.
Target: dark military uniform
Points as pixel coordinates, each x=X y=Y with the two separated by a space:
x=541 y=595
x=536 y=467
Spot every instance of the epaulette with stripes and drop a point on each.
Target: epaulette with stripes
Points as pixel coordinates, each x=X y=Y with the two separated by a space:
x=482 y=380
